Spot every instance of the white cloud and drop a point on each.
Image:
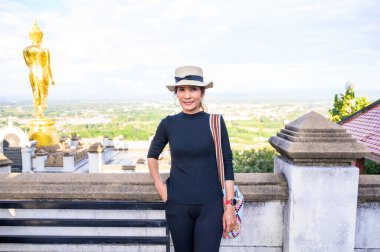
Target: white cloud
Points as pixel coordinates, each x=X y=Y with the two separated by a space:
x=113 y=47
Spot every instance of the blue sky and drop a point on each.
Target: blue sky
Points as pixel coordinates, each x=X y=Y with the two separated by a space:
x=122 y=50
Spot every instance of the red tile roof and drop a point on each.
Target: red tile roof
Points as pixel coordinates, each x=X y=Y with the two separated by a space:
x=364 y=125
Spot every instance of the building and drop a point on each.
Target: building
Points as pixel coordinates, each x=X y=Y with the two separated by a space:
x=364 y=125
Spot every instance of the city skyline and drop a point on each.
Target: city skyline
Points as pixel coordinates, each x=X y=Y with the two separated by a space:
x=258 y=50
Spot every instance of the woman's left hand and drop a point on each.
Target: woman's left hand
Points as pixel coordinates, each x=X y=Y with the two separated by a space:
x=229 y=219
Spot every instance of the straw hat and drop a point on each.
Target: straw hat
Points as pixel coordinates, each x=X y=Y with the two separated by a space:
x=189 y=75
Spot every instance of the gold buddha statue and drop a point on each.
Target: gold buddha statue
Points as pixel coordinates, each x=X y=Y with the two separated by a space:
x=37 y=59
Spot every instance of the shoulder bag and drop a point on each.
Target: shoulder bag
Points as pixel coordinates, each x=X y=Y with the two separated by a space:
x=216 y=135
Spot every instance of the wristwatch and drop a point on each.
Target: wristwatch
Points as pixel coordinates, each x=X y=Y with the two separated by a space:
x=231 y=202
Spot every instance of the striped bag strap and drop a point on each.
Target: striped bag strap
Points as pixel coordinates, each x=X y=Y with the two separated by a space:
x=215 y=131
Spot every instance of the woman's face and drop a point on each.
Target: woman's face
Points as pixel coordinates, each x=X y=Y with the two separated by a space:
x=190 y=98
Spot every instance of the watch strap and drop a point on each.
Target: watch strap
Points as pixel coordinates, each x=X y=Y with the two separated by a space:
x=230 y=202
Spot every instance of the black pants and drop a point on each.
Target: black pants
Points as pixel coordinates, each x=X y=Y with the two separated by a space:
x=195 y=228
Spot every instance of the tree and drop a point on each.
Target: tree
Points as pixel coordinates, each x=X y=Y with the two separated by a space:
x=345 y=105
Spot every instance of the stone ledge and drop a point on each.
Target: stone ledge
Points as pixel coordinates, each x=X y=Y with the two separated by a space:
x=369 y=188
x=132 y=187
x=138 y=187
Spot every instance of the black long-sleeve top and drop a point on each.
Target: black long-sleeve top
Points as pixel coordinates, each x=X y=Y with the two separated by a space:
x=193 y=174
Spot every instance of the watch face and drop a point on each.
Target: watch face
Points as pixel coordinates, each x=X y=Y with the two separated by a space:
x=233 y=202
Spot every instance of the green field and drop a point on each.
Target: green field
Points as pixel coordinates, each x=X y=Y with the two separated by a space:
x=249 y=125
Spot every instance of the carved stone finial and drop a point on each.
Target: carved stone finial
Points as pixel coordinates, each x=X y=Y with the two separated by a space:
x=41 y=152
x=314 y=140
x=96 y=148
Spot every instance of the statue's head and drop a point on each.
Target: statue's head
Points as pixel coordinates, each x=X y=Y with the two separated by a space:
x=36 y=34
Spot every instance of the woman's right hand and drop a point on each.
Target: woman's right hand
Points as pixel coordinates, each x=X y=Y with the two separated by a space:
x=162 y=190
x=160 y=186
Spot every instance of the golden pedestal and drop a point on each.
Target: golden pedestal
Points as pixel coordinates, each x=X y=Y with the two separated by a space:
x=44 y=132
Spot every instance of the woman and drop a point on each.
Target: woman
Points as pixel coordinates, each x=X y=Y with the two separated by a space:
x=192 y=194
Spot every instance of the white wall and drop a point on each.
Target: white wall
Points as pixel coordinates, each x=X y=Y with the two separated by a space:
x=368 y=227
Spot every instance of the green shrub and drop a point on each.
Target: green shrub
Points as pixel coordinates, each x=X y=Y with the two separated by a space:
x=254 y=160
x=371 y=167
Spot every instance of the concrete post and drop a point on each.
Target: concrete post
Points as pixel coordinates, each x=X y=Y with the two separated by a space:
x=74 y=142
x=26 y=156
x=96 y=158
x=41 y=157
x=105 y=141
x=68 y=162
x=316 y=156
x=320 y=214
x=110 y=143
x=5 y=164
x=107 y=154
